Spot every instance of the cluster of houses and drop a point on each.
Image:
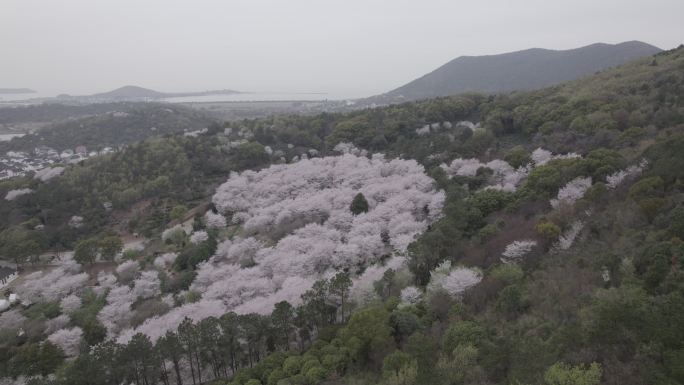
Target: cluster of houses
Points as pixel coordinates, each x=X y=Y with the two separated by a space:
x=7 y=275
x=18 y=163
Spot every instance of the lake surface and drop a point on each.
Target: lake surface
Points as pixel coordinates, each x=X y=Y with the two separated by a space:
x=252 y=97
x=241 y=97
x=17 y=97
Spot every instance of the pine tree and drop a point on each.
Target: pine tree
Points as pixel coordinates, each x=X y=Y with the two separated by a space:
x=359 y=204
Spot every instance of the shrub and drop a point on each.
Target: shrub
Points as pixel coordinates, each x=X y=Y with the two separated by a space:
x=394 y=362
x=507 y=272
x=548 y=230
x=292 y=365
x=647 y=188
x=487 y=232
x=131 y=254
x=462 y=333
x=489 y=201
x=309 y=364
x=510 y=301
x=564 y=374
x=335 y=362
x=276 y=376
x=315 y=375
x=517 y=156
x=651 y=207
x=676 y=220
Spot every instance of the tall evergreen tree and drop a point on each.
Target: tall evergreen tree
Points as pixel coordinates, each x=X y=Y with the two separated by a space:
x=359 y=204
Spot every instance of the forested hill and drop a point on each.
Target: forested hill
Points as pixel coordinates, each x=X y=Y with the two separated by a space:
x=522 y=70
x=111 y=124
x=129 y=92
x=529 y=238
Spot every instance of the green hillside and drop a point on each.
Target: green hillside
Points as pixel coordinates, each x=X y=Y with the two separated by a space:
x=589 y=290
x=108 y=125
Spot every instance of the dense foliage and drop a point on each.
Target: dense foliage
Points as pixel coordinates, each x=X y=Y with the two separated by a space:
x=100 y=125
x=557 y=257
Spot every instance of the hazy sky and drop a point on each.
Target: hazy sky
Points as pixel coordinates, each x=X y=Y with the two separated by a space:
x=345 y=47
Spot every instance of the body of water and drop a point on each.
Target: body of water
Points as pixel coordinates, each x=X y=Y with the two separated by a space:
x=18 y=97
x=251 y=97
x=240 y=97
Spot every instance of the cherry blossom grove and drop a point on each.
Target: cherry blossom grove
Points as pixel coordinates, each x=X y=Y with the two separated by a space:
x=117 y=314
x=296 y=227
x=504 y=177
x=53 y=285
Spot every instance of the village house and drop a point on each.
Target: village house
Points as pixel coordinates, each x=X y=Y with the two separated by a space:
x=7 y=275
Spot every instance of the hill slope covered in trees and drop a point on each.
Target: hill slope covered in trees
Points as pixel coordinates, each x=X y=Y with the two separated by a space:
x=556 y=257
x=107 y=125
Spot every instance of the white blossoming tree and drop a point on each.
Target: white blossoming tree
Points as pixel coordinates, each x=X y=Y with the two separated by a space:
x=68 y=340
x=572 y=191
x=454 y=281
x=410 y=295
x=70 y=304
x=615 y=179
x=14 y=194
x=517 y=250
x=127 y=271
x=568 y=237
x=213 y=220
x=199 y=237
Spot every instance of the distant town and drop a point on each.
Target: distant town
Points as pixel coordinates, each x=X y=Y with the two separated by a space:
x=19 y=163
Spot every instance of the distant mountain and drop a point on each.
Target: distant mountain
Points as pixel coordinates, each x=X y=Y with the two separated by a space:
x=16 y=91
x=132 y=94
x=522 y=70
x=129 y=92
x=137 y=93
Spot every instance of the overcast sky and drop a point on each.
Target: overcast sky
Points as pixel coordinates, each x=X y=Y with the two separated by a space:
x=348 y=48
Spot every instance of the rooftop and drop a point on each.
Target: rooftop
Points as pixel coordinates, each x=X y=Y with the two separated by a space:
x=6 y=272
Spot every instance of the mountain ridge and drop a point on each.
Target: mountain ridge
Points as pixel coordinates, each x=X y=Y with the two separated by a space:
x=130 y=93
x=133 y=91
x=528 y=69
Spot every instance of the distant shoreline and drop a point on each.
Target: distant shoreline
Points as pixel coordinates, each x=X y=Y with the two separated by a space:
x=15 y=91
